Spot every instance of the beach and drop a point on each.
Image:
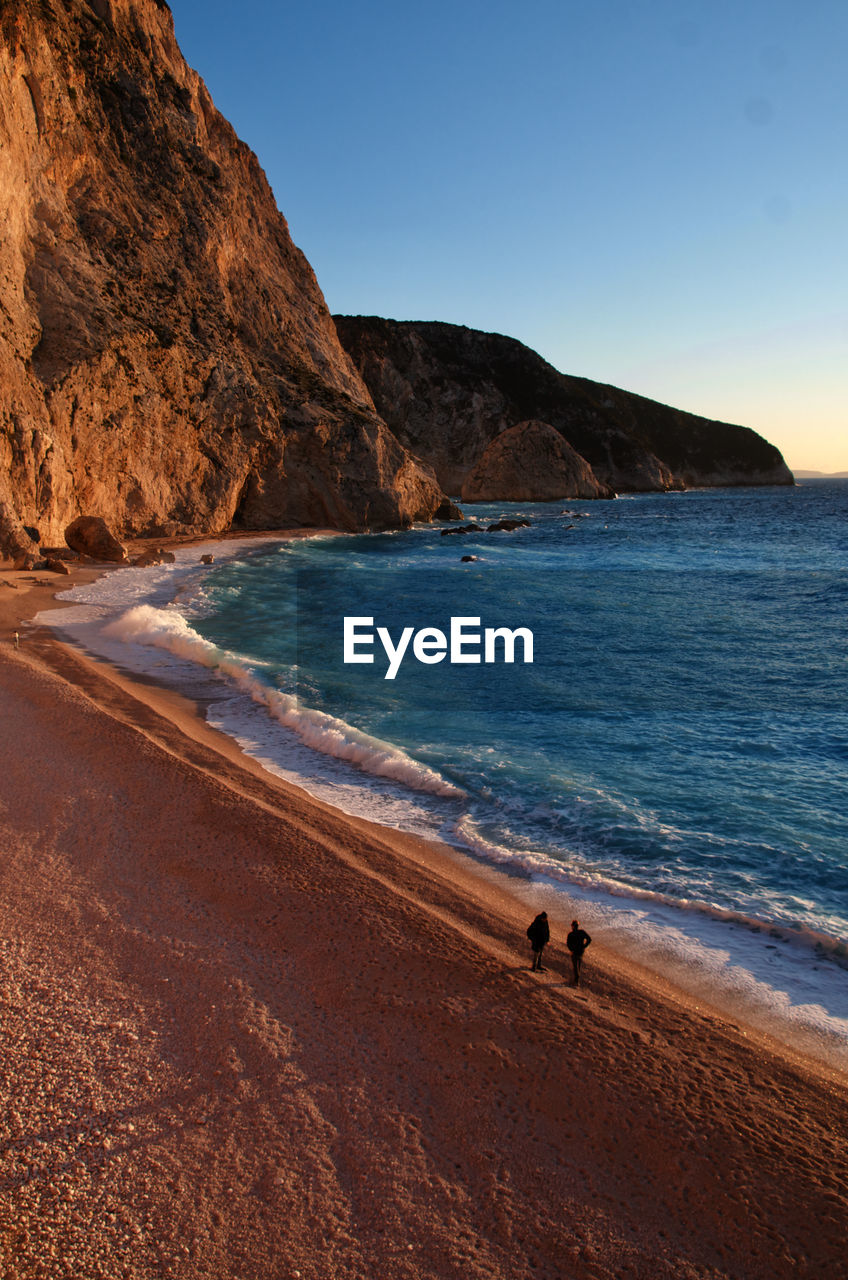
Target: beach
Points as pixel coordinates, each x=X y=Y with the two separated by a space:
x=248 y=1036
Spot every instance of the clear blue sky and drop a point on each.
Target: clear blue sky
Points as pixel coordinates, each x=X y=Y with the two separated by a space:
x=653 y=195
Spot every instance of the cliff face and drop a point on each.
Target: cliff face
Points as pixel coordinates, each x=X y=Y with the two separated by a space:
x=166 y=356
x=447 y=392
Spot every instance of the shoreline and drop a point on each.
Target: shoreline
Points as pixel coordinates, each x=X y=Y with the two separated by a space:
x=749 y=971
x=442 y=944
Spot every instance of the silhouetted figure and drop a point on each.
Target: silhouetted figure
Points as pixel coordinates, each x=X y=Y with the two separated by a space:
x=577 y=942
x=539 y=934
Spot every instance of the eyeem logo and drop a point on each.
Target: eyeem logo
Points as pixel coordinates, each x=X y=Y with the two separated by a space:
x=430 y=645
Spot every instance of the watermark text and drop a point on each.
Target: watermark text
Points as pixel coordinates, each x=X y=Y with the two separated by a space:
x=465 y=642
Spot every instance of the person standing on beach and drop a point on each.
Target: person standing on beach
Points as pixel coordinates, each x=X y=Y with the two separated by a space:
x=577 y=942
x=539 y=934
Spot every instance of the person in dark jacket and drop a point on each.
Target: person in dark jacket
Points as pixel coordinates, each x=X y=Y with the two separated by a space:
x=577 y=942
x=539 y=934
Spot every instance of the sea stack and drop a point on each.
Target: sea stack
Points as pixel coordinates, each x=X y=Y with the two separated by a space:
x=531 y=462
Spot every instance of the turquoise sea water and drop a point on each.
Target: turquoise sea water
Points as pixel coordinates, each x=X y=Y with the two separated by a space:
x=675 y=758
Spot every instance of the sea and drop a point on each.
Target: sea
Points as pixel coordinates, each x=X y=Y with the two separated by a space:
x=671 y=766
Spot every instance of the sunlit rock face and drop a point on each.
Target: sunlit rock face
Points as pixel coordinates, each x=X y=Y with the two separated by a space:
x=167 y=359
x=447 y=392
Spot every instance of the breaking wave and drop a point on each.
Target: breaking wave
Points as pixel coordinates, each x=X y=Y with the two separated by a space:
x=167 y=629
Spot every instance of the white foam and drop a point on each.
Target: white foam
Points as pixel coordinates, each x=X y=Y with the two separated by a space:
x=329 y=778
x=790 y=984
x=168 y=629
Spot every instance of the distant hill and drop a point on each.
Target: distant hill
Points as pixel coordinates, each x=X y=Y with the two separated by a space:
x=447 y=392
x=821 y=475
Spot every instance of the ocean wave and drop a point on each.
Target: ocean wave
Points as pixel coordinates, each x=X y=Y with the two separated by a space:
x=570 y=874
x=167 y=629
x=787 y=982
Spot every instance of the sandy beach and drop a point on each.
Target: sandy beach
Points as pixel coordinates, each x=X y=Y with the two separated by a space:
x=245 y=1036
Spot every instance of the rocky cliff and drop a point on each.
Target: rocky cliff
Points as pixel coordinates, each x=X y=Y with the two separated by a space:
x=447 y=392
x=166 y=356
x=531 y=462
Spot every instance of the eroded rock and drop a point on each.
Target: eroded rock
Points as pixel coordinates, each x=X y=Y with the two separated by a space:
x=531 y=462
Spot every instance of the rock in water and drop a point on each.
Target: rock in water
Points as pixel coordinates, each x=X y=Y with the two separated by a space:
x=447 y=391
x=447 y=510
x=154 y=556
x=531 y=462
x=167 y=359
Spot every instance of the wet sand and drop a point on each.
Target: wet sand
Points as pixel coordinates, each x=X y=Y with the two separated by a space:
x=245 y=1036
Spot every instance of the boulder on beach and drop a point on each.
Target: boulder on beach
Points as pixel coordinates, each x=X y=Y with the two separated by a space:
x=91 y=536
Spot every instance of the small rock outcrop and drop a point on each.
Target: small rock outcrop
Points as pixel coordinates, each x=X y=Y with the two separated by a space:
x=447 y=391
x=167 y=359
x=91 y=536
x=447 y=510
x=531 y=462
x=153 y=556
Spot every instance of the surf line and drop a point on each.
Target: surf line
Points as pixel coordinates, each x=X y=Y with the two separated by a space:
x=431 y=645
